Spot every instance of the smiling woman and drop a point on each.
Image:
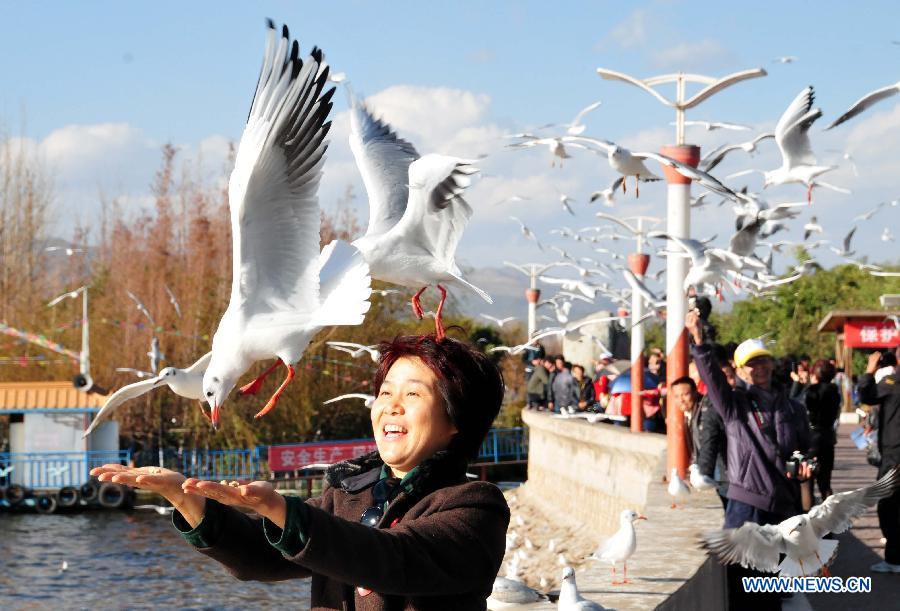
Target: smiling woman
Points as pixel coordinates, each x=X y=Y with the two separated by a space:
x=402 y=524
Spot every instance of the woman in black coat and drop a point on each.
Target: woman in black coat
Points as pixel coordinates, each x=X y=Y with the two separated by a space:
x=823 y=402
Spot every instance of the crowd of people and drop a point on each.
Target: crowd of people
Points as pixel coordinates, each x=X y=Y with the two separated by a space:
x=764 y=428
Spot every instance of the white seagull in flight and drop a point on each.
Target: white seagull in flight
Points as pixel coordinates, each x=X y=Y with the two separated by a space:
x=792 y=136
x=355 y=350
x=416 y=210
x=799 y=538
x=865 y=102
x=187 y=383
x=283 y=289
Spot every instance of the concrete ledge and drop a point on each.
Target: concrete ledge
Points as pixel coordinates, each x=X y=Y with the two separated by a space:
x=583 y=475
x=603 y=468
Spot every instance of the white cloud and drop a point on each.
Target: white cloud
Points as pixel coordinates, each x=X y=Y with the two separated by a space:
x=122 y=160
x=705 y=54
x=632 y=32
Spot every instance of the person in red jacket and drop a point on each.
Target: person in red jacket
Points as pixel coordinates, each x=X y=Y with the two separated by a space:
x=400 y=528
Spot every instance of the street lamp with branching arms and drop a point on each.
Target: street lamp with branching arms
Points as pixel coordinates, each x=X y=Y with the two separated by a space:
x=678 y=225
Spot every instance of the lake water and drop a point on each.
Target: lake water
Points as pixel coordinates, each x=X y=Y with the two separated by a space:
x=119 y=559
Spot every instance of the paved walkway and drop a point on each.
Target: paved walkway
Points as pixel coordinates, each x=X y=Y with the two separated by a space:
x=860 y=546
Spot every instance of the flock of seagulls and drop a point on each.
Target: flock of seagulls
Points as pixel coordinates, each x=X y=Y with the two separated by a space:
x=284 y=290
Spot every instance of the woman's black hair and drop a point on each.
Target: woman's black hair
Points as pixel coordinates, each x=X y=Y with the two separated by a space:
x=469 y=383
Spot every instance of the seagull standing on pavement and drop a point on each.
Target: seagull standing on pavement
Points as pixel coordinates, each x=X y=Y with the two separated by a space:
x=799 y=537
x=621 y=546
x=677 y=488
x=508 y=593
x=284 y=290
x=569 y=597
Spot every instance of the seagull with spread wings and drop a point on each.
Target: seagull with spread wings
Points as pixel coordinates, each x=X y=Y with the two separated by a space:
x=498 y=321
x=631 y=163
x=367 y=399
x=575 y=127
x=711 y=126
x=141 y=307
x=845 y=250
x=799 y=537
x=416 y=210
x=798 y=163
x=284 y=290
x=866 y=102
x=715 y=156
x=187 y=383
x=355 y=350
x=173 y=301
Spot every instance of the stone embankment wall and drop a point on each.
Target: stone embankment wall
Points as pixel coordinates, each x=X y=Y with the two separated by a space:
x=580 y=477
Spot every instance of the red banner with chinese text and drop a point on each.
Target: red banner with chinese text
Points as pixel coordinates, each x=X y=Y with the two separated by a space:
x=871 y=334
x=292 y=457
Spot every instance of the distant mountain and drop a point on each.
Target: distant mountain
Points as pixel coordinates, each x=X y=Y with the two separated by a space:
x=507 y=287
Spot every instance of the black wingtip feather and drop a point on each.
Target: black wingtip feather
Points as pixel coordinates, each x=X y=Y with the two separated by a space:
x=270 y=24
x=285 y=32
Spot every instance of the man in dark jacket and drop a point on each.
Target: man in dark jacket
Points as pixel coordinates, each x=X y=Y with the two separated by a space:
x=711 y=460
x=764 y=428
x=585 y=386
x=886 y=395
x=536 y=388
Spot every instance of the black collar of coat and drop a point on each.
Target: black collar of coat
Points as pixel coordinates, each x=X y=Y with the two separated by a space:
x=443 y=468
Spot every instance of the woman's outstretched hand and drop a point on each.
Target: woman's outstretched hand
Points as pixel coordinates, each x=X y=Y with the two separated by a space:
x=162 y=481
x=261 y=497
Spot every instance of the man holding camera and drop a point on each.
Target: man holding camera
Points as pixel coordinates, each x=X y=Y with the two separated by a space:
x=765 y=430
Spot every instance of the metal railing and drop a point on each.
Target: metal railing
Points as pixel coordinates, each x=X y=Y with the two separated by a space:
x=58 y=469
x=54 y=469
x=229 y=465
x=504 y=445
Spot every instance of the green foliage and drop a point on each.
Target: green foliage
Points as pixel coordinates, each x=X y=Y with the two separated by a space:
x=792 y=314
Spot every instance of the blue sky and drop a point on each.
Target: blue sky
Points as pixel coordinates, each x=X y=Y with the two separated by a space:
x=182 y=70
x=99 y=86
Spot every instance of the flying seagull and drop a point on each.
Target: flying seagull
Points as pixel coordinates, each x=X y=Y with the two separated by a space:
x=865 y=102
x=799 y=537
x=416 y=210
x=798 y=163
x=367 y=399
x=283 y=289
x=187 y=383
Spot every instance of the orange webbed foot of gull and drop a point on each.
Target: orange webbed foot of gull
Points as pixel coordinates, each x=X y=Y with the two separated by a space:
x=438 y=323
x=416 y=306
x=205 y=413
x=251 y=388
x=274 y=399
